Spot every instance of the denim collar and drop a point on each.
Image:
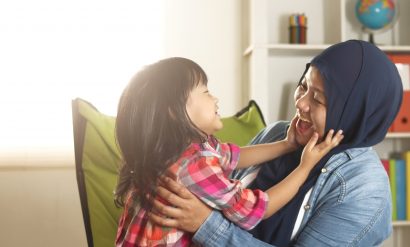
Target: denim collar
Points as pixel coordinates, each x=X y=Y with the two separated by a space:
x=342 y=157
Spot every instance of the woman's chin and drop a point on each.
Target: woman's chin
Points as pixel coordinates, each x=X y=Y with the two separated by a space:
x=303 y=139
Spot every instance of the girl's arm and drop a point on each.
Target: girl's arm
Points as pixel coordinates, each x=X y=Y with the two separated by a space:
x=259 y=153
x=283 y=192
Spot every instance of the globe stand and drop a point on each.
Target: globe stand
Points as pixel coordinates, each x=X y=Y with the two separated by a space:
x=371 y=35
x=371 y=38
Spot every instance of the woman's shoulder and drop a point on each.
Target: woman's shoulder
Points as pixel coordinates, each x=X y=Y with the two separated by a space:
x=273 y=132
x=364 y=155
x=359 y=164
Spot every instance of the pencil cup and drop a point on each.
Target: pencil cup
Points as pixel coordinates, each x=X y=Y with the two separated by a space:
x=297 y=34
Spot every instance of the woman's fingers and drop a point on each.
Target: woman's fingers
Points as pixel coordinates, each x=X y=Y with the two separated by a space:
x=169 y=211
x=186 y=211
x=159 y=220
x=174 y=188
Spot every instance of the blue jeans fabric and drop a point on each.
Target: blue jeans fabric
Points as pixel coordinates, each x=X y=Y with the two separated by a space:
x=350 y=204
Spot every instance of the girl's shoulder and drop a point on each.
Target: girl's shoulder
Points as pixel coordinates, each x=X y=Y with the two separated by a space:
x=211 y=147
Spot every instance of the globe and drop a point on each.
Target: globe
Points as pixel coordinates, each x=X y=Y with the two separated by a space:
x=376 y=15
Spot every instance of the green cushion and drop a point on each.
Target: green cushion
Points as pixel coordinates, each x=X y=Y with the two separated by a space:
x=99 y=159
x=100 y=164
x=243 y=126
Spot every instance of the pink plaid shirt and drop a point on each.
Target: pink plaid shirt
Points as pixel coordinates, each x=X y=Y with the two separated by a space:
x=204 y=169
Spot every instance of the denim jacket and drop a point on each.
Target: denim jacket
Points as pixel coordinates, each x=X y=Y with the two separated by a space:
x=350 y=205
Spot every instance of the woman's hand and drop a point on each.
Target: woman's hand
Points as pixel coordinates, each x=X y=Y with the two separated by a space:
x=187 y=213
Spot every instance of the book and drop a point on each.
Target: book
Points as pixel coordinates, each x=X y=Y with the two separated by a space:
x=404 y=72
x=406 y=156
x=402 y=62
x=400 y=169
x=392 y=177
x=386 y=165
x=401 y=123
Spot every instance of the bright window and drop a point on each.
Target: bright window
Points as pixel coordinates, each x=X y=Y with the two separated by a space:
x=53 y=51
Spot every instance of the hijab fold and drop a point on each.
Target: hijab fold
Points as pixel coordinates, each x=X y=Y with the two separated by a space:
x=364 y=93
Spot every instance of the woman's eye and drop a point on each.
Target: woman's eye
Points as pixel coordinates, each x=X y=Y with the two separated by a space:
x=319 y=100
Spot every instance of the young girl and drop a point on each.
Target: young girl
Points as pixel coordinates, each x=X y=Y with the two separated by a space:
x=165 y=121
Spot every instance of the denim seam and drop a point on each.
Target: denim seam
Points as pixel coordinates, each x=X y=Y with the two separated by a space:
x=369 y=226
x=219 y=231
x=342 y=187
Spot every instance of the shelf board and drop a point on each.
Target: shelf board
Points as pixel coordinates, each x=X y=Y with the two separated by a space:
x=401 y=223
x=286 y=47
x=312 y=48
x=392 y=48
x=398 y=135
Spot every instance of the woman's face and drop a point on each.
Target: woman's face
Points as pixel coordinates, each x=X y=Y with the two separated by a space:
x=311 y=104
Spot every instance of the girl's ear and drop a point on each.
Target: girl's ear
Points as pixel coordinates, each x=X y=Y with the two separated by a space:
x=171 y=113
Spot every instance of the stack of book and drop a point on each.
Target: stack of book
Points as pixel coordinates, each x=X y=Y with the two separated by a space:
x=398 y=170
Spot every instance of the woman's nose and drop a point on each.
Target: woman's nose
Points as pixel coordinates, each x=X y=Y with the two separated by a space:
x=302 y=103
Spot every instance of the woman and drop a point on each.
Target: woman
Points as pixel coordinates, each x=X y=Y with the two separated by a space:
x=346 y=201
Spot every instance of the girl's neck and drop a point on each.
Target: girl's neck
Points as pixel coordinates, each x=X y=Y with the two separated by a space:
x=205 y=137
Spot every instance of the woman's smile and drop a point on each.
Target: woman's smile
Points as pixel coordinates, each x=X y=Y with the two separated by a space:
x=303 y=125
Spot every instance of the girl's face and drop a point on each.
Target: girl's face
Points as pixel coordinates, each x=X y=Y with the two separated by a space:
x=311 y=105
x=202 y=109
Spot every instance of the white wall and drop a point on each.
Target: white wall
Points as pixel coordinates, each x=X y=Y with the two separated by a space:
x=39 y=196
x=40 y=207
x=209 y=32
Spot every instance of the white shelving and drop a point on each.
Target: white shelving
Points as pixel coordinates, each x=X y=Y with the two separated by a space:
x=401 y=223
x=314 y=48
x=392 y=135
x=272 y=67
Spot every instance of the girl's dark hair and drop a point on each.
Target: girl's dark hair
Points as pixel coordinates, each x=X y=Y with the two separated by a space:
x=153 y=127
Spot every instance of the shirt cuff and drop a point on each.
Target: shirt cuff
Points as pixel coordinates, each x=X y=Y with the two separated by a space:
x=211 y=229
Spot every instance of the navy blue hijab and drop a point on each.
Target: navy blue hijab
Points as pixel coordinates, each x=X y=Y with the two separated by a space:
x=364 y=92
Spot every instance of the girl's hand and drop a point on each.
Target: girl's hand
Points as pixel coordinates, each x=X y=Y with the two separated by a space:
x=312 y=153
x=187 y=213
x=291 y=135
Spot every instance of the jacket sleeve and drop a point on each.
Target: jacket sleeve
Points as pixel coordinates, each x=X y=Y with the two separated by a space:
x=217 y=231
